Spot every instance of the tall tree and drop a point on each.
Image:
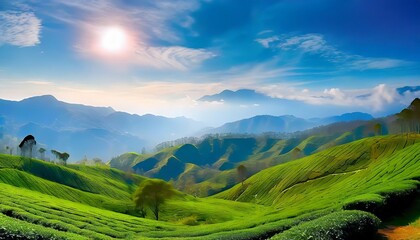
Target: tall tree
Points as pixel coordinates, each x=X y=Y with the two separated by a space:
x=64 y=157
x=242 y=173
x=42 y=153
x=27 y=145
x=153 y=193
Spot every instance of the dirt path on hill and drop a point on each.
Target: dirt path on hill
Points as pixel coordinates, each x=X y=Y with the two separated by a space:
x=400 y=232
x=320 y=177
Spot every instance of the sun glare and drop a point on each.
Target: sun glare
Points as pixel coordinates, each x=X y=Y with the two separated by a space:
x=113 y=40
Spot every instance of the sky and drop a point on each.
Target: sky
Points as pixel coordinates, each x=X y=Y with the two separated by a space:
x=160 y=57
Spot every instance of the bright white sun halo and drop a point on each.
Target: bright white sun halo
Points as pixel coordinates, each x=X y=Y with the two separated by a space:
x=113 y=39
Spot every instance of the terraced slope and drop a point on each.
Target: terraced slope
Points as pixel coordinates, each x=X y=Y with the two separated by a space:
x=210 y=166
x=351 y=175
x=280 y=201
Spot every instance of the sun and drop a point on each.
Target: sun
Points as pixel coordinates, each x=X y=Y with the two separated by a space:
x=113 y=39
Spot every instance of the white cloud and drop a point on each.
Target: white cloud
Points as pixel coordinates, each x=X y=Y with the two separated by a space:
x=376 y=63
x=311 y=43
x=175 y=57
x=316 y=44
x=267 y=41
x=35 y=82
x=372 y=100
x=19 y=28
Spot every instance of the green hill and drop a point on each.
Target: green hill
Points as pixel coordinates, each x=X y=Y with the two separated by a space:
x=209 y=167
x=361 y=174
x=43 y=200
x=216 y=158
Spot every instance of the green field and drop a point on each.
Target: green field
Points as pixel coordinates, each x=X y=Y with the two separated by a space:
x=43 y=200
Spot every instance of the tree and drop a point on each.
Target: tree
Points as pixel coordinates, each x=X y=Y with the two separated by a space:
x=378 y=129
x=153 y=193
x=42 y=153
x=98 y=162
x=242 y=173
x=64 y=156
x=26 y=146
x=61 y=156
x=55 y=153
x=8 y=150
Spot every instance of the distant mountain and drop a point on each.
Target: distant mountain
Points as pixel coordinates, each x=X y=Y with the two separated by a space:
x=85 y=130
x=287 y=123
x=347 y=117
x=405 y=89
x=241 y=95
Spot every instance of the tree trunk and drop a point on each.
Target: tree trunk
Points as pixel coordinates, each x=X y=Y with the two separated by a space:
x=156 y=212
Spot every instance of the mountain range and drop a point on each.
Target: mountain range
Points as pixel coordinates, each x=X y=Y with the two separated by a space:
x=287 y=124
x=85 y=130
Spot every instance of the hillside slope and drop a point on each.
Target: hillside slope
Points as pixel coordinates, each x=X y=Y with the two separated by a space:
x=303 y=195
x=352 y=175
x=209 y=166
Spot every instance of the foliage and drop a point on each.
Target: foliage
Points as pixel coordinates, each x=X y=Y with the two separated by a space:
x=153 y=193
x=63 y=156
x=339 y=225
x=26 y=146
x=190 y=221
x=242 y=173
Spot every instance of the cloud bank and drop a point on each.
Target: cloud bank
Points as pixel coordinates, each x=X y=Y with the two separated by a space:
x=19 y=28
x=316 y=44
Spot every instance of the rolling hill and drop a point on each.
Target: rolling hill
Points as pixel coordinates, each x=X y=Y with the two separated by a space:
x=309 y=195
x=210 y=166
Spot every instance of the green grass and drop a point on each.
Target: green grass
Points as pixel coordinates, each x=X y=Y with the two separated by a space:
x=338 y=225
x=210 y=166
x=300 y=195
x=364 y=170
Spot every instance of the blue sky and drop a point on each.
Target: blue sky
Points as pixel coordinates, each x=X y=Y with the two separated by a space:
x=323 y=53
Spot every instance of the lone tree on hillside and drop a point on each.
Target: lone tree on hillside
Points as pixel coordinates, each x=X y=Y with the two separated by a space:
x=42 y=153
x=9 y=150
x=61 y=156
x=152 y=193
x=242 y=173
x=26 y=146
x=64 y=156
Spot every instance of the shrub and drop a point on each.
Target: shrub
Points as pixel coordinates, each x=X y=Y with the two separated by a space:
x=339 y=225
x=190 y=221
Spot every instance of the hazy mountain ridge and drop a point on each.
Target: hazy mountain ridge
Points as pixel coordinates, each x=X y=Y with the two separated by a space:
x=211 y=168
x=85 y=130
x=286 y=123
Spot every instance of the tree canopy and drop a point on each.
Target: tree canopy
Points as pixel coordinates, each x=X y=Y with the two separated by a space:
x=242 y=173
x=26 y=145
x=153 y=193
x=61 y=156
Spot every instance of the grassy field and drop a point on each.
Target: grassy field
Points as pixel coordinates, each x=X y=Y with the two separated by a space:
x=44 y=200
